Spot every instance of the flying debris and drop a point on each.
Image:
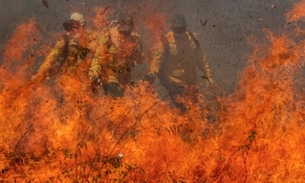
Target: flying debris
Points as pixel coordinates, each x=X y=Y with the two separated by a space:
x=203 y=23
x=45 y=3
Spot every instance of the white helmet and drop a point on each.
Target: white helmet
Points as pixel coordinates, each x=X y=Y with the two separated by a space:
x=78 y=17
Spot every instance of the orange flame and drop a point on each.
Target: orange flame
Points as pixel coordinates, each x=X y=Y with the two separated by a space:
x=297 y=12
x=22 y=42
x=62 y=132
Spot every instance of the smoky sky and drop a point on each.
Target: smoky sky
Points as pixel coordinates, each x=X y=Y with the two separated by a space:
x=222 y=25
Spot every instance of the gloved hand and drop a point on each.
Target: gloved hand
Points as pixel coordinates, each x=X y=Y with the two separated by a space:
x=33 y=78
x=95 y=83
x=151 y=77
x=114 y=89
x=210 y=82
x=36 y=78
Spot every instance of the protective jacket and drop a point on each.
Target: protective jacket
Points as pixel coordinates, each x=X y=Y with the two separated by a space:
x=114 y=57
x=68 y=52
x=176 y=58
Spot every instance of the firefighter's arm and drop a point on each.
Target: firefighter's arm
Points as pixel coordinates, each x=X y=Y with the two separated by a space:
x=93 y=39
x=203 y=65
x=154 y=67
x=206 y=67
x=139 y=54
x=99 y=57
x=138 y=50
x=51 y=58
x=158 y=52
x=202 y=62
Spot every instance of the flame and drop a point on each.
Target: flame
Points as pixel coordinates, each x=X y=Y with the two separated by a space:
x=296 y=13
x=23 y=42
x=100 y=19
x=60 y=131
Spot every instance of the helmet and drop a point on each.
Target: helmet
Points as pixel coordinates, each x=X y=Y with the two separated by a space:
x=125 y=23
x=178 y=24
x=78 y=17
x=178 y=20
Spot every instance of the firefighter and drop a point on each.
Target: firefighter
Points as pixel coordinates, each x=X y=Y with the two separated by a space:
x=91 y=34
x=119 y=50
x=69 y=51
x=176 y=56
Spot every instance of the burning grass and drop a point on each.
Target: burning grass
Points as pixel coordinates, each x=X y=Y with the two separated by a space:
x=58 y=131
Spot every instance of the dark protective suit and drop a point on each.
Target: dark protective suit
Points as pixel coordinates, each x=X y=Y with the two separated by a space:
x=115 y=56
x=175 y=59
x=64 y=56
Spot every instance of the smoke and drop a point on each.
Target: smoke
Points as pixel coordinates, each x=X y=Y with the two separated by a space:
x=222 y=26
x=260 y=123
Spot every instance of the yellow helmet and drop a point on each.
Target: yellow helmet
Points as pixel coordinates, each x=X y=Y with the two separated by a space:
x=78 y=17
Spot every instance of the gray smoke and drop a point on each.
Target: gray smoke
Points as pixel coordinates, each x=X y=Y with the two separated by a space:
x=222 y=25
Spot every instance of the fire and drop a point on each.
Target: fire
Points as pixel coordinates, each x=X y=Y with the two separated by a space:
x=296 y=13
x=25 y=36
x=101 y=16
x=63 y=132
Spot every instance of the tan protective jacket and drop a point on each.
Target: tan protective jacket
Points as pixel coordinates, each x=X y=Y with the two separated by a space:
x=115 y=55
x=176 y=57
x=63 y=56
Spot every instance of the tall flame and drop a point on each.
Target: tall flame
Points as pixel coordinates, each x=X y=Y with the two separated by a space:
x=60 y=131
